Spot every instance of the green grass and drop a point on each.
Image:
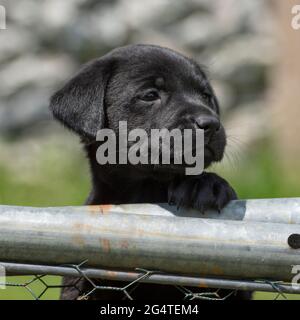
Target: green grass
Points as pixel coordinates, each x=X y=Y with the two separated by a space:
x=260 y=175
x=59 y=177
x=15 y=289
x=65 y=182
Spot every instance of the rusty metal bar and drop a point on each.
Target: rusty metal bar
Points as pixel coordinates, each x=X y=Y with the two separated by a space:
x=108 y=238
x=159 y=278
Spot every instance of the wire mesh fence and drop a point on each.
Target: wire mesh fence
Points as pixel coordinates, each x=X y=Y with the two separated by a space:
x=38 y=285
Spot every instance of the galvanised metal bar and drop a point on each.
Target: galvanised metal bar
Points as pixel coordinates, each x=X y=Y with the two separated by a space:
x=263 y=210
x=285 y=210
x=184 y=245
x=159 y=278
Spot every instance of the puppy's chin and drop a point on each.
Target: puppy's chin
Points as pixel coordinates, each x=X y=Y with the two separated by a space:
x=211 y=156
x=170 y=170
x=214 y=150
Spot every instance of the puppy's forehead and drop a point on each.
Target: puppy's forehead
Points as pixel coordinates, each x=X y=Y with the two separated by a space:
x=157 y=63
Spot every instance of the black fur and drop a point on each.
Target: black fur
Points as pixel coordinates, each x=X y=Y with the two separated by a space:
x=149 y=87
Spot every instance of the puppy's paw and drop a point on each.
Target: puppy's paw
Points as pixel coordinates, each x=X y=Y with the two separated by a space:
x=206 y=191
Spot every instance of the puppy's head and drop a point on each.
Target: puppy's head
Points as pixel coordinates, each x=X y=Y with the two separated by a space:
x=147 y=86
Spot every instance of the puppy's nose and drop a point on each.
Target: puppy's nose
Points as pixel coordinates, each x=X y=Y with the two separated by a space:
x=209 y=124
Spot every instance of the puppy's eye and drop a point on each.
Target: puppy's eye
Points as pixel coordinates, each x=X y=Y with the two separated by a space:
x=206 y=96
x=150 y=96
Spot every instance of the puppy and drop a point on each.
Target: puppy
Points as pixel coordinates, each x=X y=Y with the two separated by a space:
x=149 y=87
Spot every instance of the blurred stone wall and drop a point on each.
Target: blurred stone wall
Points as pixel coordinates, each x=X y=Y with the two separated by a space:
x=46 y=41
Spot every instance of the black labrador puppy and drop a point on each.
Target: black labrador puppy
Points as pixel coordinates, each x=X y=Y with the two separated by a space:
x=148 y=87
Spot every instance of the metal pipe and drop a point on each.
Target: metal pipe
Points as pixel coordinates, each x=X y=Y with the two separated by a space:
x=236 y=249
x=283 y=210
x=264 y=210
x=159 y=278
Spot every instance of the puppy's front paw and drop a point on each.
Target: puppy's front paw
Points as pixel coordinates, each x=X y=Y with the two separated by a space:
x=206 y=191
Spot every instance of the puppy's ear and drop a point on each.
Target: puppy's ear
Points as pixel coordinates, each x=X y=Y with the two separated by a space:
x=79 y=105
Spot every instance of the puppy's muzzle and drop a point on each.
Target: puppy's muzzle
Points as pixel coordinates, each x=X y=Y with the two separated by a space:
x=210 y=124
